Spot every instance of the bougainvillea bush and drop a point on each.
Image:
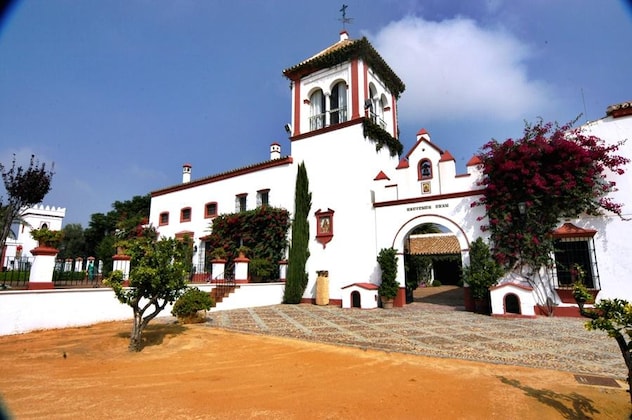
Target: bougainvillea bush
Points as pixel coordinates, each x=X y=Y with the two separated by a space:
x=552 y=172
x=263 y=230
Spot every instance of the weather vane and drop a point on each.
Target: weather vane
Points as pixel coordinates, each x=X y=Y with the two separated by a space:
x=344 y=19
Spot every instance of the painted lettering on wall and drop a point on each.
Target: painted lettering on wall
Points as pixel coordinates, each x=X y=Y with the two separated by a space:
x=427 y=207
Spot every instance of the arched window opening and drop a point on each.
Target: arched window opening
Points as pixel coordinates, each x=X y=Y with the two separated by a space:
x=425 y=169
x=338 y=104
x=317 y=110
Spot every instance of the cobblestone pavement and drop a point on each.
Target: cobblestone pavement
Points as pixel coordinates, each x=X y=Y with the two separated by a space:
x=439 y=331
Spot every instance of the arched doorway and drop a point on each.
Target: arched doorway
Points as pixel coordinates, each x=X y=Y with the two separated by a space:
x=355 y=299
x=432 y=258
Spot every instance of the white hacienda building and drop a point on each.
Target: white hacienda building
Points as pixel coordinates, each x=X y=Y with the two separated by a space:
x=367 y=194
x=20 y=243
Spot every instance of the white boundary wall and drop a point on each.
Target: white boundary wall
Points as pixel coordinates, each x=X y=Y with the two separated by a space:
x=31 y=310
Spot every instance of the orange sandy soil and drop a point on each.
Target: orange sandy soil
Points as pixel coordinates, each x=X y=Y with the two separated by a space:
x=193 y=371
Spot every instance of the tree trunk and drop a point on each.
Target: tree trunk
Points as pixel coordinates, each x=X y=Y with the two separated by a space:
x=136 y=338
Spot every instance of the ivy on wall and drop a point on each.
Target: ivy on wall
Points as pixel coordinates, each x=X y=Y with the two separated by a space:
x=381 y=138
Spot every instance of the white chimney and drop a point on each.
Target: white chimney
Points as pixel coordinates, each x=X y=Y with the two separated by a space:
x=186 y=173
x=275 y=151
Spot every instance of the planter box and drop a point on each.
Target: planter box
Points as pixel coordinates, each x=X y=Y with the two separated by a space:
x=566 y=294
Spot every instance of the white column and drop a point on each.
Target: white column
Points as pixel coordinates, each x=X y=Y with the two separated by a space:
x=41 y=276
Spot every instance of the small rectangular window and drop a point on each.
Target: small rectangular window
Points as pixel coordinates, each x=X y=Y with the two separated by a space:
x=163 y=219
x=263 y=197
x=185 y=214
x=210 y=210
x=240 y=202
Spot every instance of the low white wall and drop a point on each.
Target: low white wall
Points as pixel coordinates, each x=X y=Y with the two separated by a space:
x=29 y=310
x=253 y=295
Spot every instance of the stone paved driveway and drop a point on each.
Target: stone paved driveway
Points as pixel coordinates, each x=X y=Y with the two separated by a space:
x=438 y=331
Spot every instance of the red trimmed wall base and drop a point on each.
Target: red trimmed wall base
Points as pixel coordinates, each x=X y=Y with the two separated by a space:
x=332 y=302
x=41 y=286
x=563 y=311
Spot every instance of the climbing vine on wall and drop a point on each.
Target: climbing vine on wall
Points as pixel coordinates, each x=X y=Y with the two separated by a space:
x=381 y=138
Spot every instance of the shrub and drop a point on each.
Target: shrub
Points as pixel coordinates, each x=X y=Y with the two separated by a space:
x=46 y=237
x=261 y=270
x=192 y=301
x=387 y=259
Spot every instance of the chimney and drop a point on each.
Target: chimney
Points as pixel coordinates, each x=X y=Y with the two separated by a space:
x=275 y=151
x=186 y=173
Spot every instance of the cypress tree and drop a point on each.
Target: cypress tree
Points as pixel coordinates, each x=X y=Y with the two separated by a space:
x=296 y=280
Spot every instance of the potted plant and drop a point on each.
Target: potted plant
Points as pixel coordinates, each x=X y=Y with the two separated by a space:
x=243 y=251
x=482 y=273
x=192 y=305
x=47 y=238
x=218 y=253
x=388 y=289
x=581 y=294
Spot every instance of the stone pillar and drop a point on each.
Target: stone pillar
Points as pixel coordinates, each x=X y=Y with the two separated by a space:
x=41 y=276
x=78 y=264
x=218 y=266
x=241 y=269
x=282 y=270
x=68 y=265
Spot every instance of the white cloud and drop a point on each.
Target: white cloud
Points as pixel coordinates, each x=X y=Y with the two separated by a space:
x=458 y=70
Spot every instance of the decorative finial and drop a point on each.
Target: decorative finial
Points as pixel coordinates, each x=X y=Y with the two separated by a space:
x=344 y=18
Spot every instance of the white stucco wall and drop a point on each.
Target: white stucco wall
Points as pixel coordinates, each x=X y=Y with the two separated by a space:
x=24 y=311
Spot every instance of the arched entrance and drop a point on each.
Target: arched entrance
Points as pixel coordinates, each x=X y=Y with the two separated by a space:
x=355 y=299
x=433 y=253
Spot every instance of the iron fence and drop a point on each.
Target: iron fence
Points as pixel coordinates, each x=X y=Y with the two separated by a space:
x=15 y=273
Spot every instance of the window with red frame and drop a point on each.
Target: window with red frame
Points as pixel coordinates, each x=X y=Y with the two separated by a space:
x=185 y=214
x=163 y=218
x=210 y=209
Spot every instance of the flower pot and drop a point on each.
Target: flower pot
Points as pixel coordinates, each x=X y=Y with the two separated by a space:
x=387 y=303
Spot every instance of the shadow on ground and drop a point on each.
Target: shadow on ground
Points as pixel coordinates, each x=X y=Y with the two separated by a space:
x=442 y=295
x=154 y=334
x=571 y=406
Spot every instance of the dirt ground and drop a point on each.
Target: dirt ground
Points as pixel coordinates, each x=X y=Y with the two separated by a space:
x=194 y=371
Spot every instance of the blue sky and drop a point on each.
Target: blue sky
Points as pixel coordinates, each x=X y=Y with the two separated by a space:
x=120 y=93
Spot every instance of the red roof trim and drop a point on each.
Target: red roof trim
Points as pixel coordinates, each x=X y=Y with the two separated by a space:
x=225 y=175
x=381 y=176
x=474 y=160
x=368 y=286
x=403 y=164
x=446 y=157
x=569 y=230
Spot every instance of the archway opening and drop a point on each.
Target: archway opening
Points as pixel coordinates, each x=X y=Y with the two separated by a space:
x=512 y=304
x=432 y=258
x=355 y=299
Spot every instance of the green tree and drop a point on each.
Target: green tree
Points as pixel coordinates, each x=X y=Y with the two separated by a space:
x=296 y=280
x=483 y=271
x=73 y=243
x=25 y=188
x=125 y=220
x=614 y=316
x=157 y=278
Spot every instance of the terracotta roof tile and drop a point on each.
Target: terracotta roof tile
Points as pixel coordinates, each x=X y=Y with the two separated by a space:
x=433 y=244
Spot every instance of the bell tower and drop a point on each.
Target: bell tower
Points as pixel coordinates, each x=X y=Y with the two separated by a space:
x=345 y=82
